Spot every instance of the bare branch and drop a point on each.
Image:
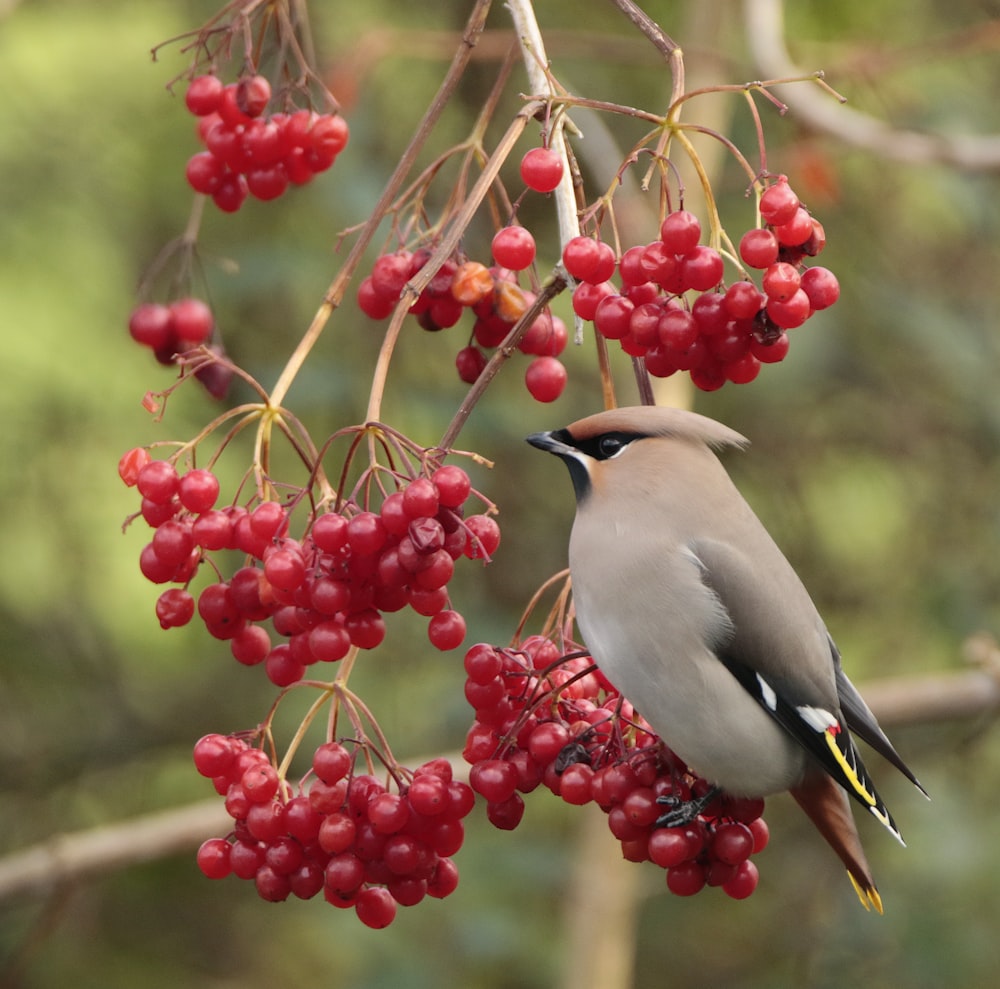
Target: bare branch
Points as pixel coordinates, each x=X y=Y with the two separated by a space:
x=764 y=20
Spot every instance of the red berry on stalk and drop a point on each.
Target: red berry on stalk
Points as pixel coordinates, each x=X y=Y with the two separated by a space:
x=446 y=630
x=792 y=312
x=541 y=169
x=701 y=268
x=778 y=203
x=231 y=193
x=680 y=232
x=821 y=287
x=151 y=324
x=743 y=882
x=470 y=363
x=174 y=608
x=202 y=96
x=198 y=490
x=513 y=247
x=581 y=256
x=252 y=95
x=158 y=481
x=759 y=248
x=797 y=230
x=545 y=378
x=213 y=858
x=204 y=172
x=780 y=281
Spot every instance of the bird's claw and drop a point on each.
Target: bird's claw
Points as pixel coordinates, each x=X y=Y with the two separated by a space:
x=683 y=812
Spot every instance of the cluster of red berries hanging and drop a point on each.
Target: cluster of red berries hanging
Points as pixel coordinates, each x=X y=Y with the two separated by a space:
x=174 y=329
x=249 y=152
x=726 y=332
x=345 y=834
x=319 y=595
x=492 y=294
x=548 y=718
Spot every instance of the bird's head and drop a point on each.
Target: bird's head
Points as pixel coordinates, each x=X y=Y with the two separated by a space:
x=599 y=444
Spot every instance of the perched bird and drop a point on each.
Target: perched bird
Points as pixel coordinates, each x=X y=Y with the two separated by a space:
x=691 y=610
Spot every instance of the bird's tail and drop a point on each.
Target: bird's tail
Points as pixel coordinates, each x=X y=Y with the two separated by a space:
x=828 y=806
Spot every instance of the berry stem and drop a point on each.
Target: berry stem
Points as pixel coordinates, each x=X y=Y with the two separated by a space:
x=335 y=292
x=310 y=715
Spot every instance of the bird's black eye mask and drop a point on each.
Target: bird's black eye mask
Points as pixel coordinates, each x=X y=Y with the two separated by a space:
x=607 y=446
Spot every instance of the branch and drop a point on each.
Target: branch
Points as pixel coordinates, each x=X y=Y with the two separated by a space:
x=764 y=20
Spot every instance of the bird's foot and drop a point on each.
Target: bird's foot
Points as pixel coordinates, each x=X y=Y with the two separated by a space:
x=683 y=812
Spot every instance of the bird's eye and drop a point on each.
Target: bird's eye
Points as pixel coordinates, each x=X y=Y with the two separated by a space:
x=610 y=446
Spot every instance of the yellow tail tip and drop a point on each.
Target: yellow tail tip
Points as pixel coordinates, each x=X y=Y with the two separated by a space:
x=867 y=895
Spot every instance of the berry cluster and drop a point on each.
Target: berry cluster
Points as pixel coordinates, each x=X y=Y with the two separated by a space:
x=493 y=296
x=322 y=594
x=174 y=329
x=249 y=152
x=726 y=332
x=348 y=836
x=544 y=717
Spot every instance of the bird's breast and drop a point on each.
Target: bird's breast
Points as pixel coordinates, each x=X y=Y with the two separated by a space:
x=651 y=625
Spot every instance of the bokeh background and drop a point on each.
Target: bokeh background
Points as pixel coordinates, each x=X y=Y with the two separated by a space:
x=874 y=462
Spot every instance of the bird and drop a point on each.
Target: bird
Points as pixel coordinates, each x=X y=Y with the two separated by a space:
x=693 y=613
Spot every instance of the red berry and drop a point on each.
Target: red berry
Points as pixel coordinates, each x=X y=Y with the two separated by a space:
x=780 y=281
x=157 y=481
x=420 y=498
x=545 y=378
x=204 y=172
x=506 y=815
x=371 y=303
x=484 y=537
x=375 y=907
x=174 y=608
x=446 y=630
x=151 y=325
x=732 y=843
x=452 y=484
x=759 y=248
x=541 y=169
x=494 y=779
x=470 y=363
x=587 y=297
x=778 y=203
x=612 y=316
x=213 y=858
x=701 y=268
x=252 y=95
x=686 y=879
x=231 y=193
x=743 y=882
x=198 y=490
x=331 y=762
x=202 y=96
x=790 y=313
x=514 y=248
x=742 y=300
x=581 y=257
x=821 y=286
x=795 y=231
x=680 y=232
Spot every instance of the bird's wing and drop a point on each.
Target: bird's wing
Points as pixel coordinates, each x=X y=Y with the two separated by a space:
x=798 y=704
x=863 y=723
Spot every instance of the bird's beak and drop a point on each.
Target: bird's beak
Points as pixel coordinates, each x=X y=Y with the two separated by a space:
x=551 y=443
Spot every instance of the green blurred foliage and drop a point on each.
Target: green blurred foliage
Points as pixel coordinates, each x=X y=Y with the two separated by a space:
x=874 y=462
